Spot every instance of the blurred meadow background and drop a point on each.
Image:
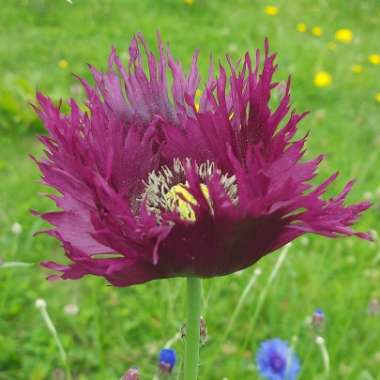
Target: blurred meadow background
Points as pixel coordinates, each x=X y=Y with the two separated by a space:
x=332 y=50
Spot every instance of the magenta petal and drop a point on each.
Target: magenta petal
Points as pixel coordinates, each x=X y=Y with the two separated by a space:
x=118 y=271
x=74 y=225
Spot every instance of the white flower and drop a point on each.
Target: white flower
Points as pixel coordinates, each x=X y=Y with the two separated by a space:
x=71 y=309
x=40 y=303
x=319 y=340
x=16 y=228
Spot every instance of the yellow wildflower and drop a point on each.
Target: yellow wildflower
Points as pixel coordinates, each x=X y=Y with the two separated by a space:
x=374 y=59
x=356 y=68
x=301 y=27
x=317 y=31
x=271 y=10
x=188 y=2
x=322 y=79
x=344 y=35
x=63 y=64
x=377 y=97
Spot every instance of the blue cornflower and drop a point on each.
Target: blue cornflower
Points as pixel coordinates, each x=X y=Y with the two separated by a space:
x=166 y=360
x=276 y=361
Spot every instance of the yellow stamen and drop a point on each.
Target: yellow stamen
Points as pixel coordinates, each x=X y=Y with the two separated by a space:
x=181 y=199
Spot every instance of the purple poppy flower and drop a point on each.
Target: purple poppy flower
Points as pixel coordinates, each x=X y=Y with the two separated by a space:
x=276 y=361
x=154 y=186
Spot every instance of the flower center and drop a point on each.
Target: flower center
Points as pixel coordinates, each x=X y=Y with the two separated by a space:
x=167 y=189
x=179 y=198
x=277 y=363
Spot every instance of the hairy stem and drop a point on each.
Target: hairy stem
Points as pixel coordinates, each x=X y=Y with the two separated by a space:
x=192 y=328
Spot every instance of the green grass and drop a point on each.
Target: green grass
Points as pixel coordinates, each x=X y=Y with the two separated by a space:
x=119 y=328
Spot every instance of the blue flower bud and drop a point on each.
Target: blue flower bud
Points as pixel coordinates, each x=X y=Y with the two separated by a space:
x=167 y=360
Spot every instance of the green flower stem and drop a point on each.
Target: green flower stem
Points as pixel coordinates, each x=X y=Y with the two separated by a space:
x=192 y=328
